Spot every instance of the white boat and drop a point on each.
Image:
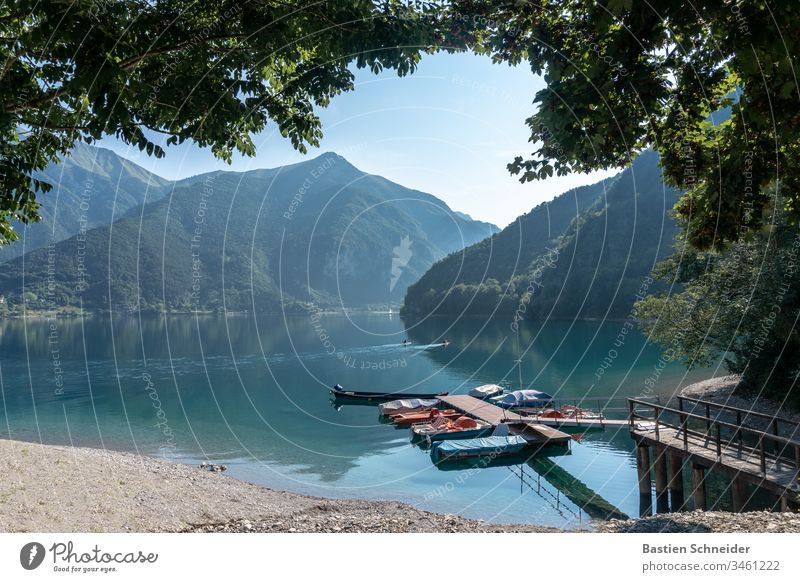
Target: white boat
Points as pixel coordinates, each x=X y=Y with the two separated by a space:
x=406 y=405
x=442 y=428
x=486 y=391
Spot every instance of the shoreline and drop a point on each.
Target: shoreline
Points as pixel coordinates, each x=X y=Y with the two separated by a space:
x=54 y=488
x=51 y=488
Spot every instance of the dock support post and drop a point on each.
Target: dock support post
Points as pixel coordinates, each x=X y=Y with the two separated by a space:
x=675 y=481
x=785 y=503
x=660 y=470
x=738 y=494
x=643 y=470
x=699 y=484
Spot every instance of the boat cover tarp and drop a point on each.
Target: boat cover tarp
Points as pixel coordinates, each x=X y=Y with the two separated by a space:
x=406 y=405
x=522 y=398
x=482 y=446
x=486 y=391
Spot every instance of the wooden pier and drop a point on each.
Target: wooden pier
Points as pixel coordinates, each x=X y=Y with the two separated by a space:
x=715 y=438
x=494 y=415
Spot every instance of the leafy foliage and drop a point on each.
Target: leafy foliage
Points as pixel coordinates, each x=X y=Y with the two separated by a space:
x=213 y=72
x=622 y=76
x=743 y=303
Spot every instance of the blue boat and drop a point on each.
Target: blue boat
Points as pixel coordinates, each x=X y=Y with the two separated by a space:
x=523 y=399
x=490 y=447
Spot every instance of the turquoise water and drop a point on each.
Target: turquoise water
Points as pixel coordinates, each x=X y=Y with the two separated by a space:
x=253 y=394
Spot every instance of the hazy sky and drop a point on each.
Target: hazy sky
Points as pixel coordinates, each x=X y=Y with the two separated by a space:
x=449 y=129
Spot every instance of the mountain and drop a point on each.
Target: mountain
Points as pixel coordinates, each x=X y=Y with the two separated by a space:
x=91 y=187
x=320 y=231
x=585 y=254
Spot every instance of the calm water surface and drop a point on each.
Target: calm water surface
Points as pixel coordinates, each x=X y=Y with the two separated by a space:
x=252 y=393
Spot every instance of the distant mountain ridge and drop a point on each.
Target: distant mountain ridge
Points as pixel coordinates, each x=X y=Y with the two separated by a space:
x=91 y=187
x=584 y=254
x=318 y=232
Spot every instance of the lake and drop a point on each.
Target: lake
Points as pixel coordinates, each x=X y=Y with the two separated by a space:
x=252 y=393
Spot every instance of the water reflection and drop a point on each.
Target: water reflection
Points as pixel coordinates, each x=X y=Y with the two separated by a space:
x=253 y=393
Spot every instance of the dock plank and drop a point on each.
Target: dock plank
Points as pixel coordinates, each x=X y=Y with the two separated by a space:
x=494 y=415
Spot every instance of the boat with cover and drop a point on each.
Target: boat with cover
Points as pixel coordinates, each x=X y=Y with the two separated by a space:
x=340 y=393
x=443 y=428
x=406 y=405
x=486 y=391
x=523 y=399
x=490 y=447
x=423 y=416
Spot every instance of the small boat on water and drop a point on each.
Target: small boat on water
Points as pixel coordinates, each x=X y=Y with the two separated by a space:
x=568 y=412
x=491 y=447
x=523 y=399
x=486 y=391
x=341 y=393
x=423 y=416
x=406 y=405
x=443 y=428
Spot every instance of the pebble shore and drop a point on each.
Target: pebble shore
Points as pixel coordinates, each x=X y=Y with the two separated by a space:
x=69 y=489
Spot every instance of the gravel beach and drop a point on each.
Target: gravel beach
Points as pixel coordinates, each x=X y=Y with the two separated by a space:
x=69 y=489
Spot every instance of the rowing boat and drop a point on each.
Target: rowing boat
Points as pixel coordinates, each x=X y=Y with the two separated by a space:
x=341 y=393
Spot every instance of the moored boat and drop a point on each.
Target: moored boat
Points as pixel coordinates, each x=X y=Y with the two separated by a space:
x=491 y=447
x=568 y=412
x=340 y=393
x=523 y=399
x=461 y=428
x=406 y=405
x=423 y=416
x=486 y=391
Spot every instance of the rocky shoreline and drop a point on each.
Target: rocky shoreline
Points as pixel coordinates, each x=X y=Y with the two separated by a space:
x=70 y=489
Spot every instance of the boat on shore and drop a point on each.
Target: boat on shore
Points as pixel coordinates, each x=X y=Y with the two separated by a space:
x=341 y=394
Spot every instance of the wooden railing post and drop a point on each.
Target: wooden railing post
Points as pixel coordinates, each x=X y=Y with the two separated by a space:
x=708 y=419
x=658 y=417
x=719 y=442
x=763 y=455
x=684 y=419
x=739 y=428
x=775 y=432
x=797 y=460
x=631 y=406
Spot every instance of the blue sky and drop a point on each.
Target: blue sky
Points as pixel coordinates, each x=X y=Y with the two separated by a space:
x=449 y=129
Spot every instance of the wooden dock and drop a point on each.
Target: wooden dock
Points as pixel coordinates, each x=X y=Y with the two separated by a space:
x=587 y=423
x=706 y=442
x=494 y=415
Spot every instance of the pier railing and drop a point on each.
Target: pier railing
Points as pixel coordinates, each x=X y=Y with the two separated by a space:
x=717 y=434
x=774 y=424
